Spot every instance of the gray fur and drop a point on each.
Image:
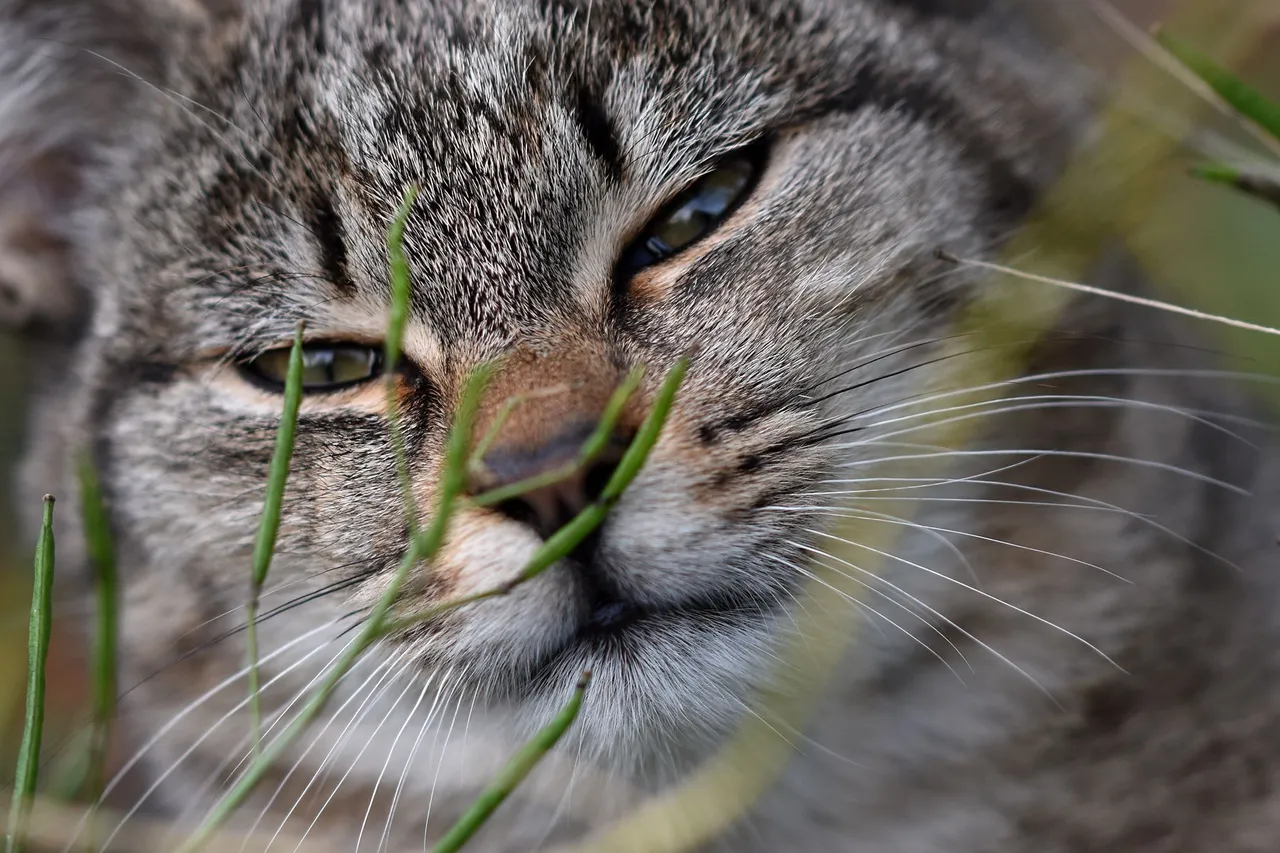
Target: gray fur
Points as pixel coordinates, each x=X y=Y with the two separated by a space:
x=235 y=173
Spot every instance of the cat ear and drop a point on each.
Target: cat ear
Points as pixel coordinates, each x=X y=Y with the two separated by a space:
x=70 y=81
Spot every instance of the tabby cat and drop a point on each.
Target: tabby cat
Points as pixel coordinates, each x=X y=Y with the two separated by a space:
x=1072 y=645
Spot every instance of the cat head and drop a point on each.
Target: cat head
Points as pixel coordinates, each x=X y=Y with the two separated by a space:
x=759 y=186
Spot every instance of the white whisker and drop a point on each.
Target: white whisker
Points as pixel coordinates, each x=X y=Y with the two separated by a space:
x=444 y=748
x=155 y=784
x=395 y=703
x=1093 y=502
x=1045 y=376
x=864 y=606
x=391 y=753
x=932 y=532
x=972 y=589
x=244 y=743
x=1072 y=454
x=1001 y=657
x=864 y=514
x=1119 y=297
x=381 y=672
x=1067 y=401
x=213 y=691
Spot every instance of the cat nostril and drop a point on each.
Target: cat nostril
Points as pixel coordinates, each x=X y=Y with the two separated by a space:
x=548 y=508
x=598 y=475
x=519 y=510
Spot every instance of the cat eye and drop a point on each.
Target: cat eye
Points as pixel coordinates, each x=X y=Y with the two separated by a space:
x=325 y=367
x=694 y=214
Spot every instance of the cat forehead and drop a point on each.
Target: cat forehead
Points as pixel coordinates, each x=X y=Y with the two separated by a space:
x=434 y=49
x=462 y=75
x=508 y=117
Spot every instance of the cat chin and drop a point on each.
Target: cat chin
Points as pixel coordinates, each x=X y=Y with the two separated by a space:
x=666 y=685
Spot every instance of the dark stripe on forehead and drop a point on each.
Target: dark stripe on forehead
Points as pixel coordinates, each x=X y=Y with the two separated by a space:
x=599 y=133
x=326 y=226
x=310 y=19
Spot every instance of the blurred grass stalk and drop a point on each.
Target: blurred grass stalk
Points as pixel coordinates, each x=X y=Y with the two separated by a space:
x=101 y=550
x=39 y=631
x=1248 y=103
x=269 y=527
x=1205 y=247
x=423 y=547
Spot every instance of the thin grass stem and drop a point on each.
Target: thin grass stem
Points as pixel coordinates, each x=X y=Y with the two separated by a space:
x=562 y=543
x=500 y=420
x=1109 y=294
x=102 y=558
x=517 y=769
x=269 y=528
x=564 y=540
x=424 y=544
x=1243 y=98
x=28 y=771
x=397 y=320
x=401 y=282
x=1263 y=187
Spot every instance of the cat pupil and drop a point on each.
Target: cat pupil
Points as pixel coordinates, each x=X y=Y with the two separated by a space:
x=324 y=368
x=692 y=216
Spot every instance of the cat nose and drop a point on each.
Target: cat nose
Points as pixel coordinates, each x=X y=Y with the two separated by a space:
x=538 y=410
x=549 y=506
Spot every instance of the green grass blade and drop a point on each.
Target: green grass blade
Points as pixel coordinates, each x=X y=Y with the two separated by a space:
x=562 y=543
x=637 y=453
x=24 y=784
x=599 y=439
x=1262 y=187
x=425 y=543
x=269 y=528
x=391 y=626
x=521 y=764
x=1242 y=97
x=453 y=479
x=102 y=558
x=591 y=448
x=495 y=429
x=397 y=320
x=401 y=282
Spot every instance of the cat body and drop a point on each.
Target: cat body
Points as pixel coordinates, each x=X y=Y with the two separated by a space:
x=1069 y=648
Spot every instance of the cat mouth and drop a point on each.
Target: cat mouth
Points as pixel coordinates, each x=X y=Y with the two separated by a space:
x=614 y=616
x=611 y=617
x=620 y=620
x=618 y=633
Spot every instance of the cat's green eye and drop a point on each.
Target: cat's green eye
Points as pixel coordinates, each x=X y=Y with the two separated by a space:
x=325 y=367
x=694 y=214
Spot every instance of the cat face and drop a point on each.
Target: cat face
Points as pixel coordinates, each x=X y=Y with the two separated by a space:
x=758 y=186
